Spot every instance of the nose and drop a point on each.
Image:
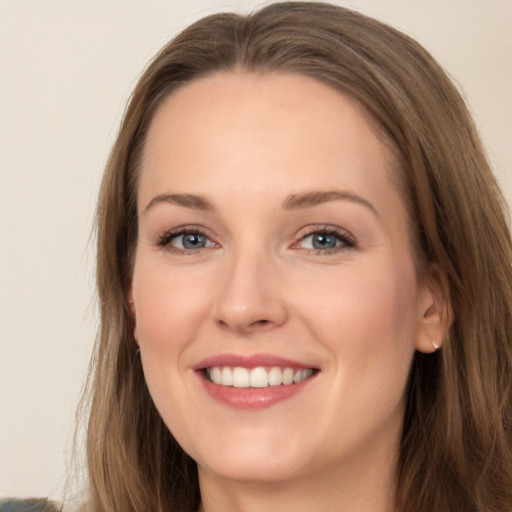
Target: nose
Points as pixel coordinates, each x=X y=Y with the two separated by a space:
x=251 y=299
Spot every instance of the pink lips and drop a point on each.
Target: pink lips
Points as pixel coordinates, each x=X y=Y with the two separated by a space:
x=250 y=398
x=247 y=361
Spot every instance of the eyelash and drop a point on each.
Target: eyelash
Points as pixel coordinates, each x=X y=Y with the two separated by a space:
x=346 y=240
x=164 y=241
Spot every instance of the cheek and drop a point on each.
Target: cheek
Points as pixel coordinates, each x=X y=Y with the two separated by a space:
x=367 y=323
x=366 y=318
x=360 y=302
x=169 y=314
x=169 y=308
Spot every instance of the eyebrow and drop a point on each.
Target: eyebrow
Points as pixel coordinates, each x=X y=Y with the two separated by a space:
x=186 y=200
x=292 y=202
x=309 y=199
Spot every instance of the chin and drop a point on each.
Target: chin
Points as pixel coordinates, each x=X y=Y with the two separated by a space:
x=266 y=460
x=253 y=470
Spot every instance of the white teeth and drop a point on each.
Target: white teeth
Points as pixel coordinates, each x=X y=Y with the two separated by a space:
x=301 y=375
x=288 y=376
x=227 y=376
x=240 y=378
x=259 y=377
x=275 y=377
x=216 y=374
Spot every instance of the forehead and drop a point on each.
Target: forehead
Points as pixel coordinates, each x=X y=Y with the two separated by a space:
x=257 y=120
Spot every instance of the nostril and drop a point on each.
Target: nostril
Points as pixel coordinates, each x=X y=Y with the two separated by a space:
x=244 y=313
x=247 y=327
x=261 y=322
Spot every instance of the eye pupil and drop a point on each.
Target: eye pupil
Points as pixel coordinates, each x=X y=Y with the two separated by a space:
x=323 y=241
x=194 y=241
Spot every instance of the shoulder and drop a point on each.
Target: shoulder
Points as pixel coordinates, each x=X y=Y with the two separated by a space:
x=27 y=505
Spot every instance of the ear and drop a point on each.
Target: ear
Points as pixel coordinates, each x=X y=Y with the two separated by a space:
x=434 y=312
x=131 y=305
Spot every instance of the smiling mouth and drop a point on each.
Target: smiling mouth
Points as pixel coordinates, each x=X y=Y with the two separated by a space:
x=259 y=377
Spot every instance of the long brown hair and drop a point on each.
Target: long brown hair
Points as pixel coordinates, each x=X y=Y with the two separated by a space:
x=455 y=452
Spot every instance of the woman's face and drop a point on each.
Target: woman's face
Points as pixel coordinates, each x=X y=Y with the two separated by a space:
x=273 y=244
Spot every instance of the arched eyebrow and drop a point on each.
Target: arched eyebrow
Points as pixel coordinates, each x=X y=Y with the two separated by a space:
x=292 y=202
x=309 y=199
x=186 y=200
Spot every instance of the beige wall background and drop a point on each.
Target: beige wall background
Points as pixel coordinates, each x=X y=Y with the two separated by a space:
x=66 y=70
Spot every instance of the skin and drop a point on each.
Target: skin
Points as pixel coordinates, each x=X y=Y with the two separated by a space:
x=245 y=143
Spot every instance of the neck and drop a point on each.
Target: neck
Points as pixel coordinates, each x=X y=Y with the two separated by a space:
x=363 y=484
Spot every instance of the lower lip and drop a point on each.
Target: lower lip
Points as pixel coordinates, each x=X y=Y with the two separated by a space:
x=252 y=398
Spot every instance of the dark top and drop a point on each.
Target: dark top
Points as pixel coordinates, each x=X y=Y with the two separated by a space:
x=30 y=505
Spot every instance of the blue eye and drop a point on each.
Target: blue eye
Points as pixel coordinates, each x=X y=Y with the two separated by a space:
x=190 y=241
x=323 y=241
x=327 y=240
x=185 y=241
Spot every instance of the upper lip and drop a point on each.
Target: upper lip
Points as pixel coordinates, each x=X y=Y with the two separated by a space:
x=249 y=361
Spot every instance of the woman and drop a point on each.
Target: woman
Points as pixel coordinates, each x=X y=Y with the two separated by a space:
x=304 y=279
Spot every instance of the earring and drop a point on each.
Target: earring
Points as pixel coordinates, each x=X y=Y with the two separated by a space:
x=435 y=345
